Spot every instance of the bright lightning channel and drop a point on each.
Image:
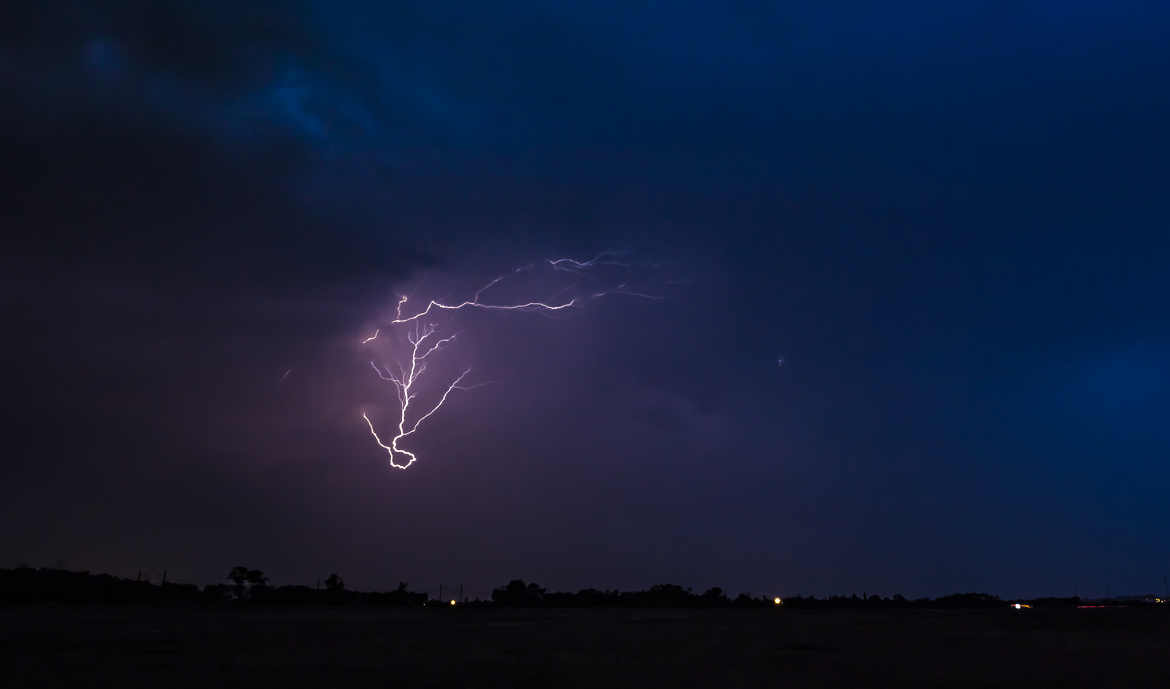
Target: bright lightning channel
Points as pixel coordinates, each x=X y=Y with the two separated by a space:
x=418 y=334
x=573 y=266
x=404 y=386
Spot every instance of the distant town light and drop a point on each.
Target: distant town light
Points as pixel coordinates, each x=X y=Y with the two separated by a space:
x=452 y=601
x=777 y=601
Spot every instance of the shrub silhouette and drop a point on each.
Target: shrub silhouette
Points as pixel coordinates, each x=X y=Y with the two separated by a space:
x=517 y=594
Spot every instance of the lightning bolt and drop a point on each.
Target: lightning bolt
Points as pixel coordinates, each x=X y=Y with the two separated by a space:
x=474 y=302
x=404 y=384
x=423 y=344
x=574 y=266
x=621 y=289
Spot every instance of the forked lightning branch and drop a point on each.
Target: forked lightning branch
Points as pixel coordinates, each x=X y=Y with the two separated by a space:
x=423 y=343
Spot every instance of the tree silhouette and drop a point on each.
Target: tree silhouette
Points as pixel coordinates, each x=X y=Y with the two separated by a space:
x=714 y=597
x=239 y=577
x=335 y=582
x=519 y=594
x=250 y=578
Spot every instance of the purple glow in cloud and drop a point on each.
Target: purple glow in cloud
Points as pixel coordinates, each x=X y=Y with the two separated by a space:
x=419 y=335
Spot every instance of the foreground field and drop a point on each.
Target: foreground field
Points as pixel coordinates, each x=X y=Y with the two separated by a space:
x=583 y=648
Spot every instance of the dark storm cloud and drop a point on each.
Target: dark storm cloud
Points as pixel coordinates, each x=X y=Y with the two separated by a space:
x=176 y=134
x=945 y=217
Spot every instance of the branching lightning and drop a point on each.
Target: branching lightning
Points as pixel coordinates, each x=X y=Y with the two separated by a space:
x=475 y=303
x=423 y=344
x=621 y=289
x=574 y=266
x=404 y=384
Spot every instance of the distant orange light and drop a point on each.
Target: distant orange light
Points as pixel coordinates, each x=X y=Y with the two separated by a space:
x=777 y=601
x=452 y=601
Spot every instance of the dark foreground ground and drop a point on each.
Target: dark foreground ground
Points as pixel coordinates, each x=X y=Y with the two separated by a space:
x=583 y=648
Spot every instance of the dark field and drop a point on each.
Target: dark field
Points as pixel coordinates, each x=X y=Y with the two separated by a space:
x=584 y=648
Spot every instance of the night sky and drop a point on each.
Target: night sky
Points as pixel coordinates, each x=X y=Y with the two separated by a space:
x=948 y=219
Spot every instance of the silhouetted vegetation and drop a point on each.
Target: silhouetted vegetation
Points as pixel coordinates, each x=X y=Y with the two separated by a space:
x=250 y=587
x=520 y=594
x=247 y=581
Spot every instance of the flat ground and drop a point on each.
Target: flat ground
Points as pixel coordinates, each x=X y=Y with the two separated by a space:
x=342 y=648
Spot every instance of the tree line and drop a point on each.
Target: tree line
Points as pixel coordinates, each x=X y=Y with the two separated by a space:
x=244 y=586
x=241 y=586
x=517 y=593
